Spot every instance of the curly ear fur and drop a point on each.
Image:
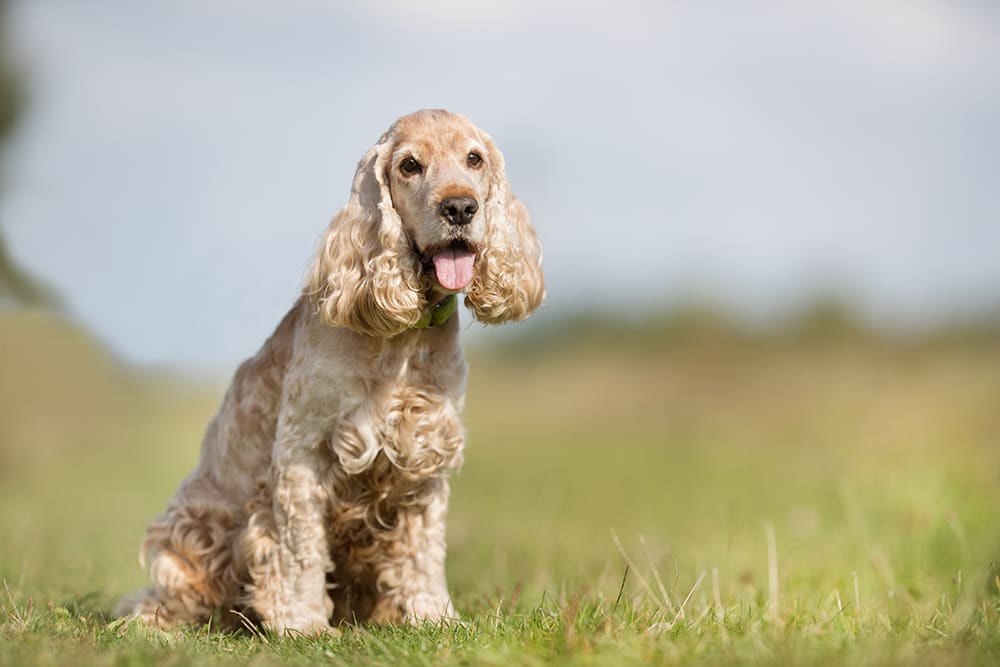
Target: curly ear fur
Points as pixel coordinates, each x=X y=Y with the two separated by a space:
x=507 y=284
x=364 y=276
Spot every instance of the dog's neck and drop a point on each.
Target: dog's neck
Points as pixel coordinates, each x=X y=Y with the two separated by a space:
x=440 y=309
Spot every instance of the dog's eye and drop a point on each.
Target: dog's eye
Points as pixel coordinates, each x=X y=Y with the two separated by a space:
x=474 y=159
x=410 y=167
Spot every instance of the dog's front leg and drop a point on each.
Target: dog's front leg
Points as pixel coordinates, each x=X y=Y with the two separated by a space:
x=410 y=576
x=290 y=593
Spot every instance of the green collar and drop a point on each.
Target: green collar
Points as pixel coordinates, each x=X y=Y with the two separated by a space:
x=439 y=313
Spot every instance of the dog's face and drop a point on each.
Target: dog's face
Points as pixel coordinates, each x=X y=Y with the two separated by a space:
x=430 y=211
x=439 y=179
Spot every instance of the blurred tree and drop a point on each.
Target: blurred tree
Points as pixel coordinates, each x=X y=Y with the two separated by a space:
x=15 y=283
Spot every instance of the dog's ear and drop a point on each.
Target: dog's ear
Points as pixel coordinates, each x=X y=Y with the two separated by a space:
x=507 y=284
x=365 y=277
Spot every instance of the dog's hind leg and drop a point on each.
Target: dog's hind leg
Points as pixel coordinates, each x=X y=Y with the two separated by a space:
x=189 y=554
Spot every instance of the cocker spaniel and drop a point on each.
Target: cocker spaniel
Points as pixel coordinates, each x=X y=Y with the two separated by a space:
x=322 y=488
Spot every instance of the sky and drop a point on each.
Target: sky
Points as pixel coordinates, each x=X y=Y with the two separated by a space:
x=179 y=159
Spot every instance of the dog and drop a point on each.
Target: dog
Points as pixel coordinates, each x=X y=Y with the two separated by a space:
x=321 y=491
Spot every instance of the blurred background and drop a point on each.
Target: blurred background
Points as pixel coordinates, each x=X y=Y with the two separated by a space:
x=176 y=161
x=772 y=245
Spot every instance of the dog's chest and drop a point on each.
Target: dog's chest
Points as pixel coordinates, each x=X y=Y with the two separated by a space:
x=404 y=417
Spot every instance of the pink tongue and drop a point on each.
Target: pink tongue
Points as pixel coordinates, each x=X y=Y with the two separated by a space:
x=454 y=268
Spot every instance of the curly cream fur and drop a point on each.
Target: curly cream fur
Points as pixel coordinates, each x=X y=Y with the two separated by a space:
x=508 y=285
x=321 y=493
x=365 y=277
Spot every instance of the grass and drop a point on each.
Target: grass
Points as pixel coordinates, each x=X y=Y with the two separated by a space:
x=711 y=500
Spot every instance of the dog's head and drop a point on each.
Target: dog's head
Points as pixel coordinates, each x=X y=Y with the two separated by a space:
x=430 y=212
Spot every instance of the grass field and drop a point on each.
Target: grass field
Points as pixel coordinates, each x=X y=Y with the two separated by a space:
x=626 y=499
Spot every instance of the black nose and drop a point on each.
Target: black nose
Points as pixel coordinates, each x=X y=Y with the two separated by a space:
x=458 y=210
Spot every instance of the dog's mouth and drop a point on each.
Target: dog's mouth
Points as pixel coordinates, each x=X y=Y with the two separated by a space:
x=452 y=263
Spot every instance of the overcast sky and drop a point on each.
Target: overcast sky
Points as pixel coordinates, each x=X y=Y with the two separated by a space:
x=179 y=159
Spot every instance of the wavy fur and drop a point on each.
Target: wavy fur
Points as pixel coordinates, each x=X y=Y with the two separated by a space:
x=508 y=284
x=364 y=277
